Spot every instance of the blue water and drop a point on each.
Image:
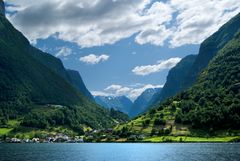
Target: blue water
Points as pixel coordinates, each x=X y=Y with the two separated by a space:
x=120 y=152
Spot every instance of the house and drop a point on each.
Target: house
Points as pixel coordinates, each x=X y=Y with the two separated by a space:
x=35 y=140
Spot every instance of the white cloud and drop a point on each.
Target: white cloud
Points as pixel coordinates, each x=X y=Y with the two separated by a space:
x=138 y=91
x=94 y=59
x=156 y=35
x=134 y=53
x=196 y=20
x=87 y=23
x=156 y=32
x=161 y=65
x=100 y=22
x=113 y=87
x=64 y=52
x=100 y=93
x=117 y=89
x=132 y=91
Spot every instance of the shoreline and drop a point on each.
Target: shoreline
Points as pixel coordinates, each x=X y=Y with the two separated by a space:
x=233 y=139
x=134 y=143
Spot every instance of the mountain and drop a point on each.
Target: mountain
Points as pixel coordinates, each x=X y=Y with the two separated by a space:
x=77 y=82
x=2 y=8
x=24 y=78
x=175 y=80
x=38 y=91
x=141 y=104
x=211 y=105
x=121 y=103
x=209 y=48
x=214 y=101
x=186 y=72
x=56 y=65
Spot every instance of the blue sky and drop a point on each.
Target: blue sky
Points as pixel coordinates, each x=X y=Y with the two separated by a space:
x=123 y=57
x=120 y=47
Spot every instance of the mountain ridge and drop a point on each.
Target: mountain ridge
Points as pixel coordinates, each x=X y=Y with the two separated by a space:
x=120 y=103
x=193 y=68
x=77 y=82
x=36 y=89
x=209 y=48
x=142 y=103
x=175 y=79
x=208 y=108
x=2 y=8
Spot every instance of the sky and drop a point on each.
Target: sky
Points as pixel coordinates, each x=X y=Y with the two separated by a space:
x=120 y=47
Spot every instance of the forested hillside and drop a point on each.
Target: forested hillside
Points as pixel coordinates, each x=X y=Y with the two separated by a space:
x=209 y=49
x=214 y=102
x=37 y=91
x=175 y=80
x=211 y=104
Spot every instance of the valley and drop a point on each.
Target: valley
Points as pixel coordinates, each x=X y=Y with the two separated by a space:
x=42 y=99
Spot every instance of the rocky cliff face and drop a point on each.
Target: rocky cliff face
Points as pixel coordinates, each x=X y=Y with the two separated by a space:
x=2 y=8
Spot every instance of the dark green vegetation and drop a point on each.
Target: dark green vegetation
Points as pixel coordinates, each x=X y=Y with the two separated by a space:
x=214 y=102
x=211 y=107
x=38 y=95
x=185 y=74
x=24 y=79
x=143 y=102
x=2 y=8
x=175 y=80
x=76 y=80
x=38 y=92
x=210 y=48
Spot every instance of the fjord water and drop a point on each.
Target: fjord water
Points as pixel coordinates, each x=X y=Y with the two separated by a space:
x=121 y=152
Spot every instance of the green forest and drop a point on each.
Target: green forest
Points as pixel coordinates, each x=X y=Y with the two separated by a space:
x=200 y=100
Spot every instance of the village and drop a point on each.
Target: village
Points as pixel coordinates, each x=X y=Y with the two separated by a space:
x=104 y=135
x=58 y=138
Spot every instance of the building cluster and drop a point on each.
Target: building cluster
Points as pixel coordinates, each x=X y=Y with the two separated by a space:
x=58 y=138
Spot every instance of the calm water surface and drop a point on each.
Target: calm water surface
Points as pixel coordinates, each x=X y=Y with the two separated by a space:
x=120 y=152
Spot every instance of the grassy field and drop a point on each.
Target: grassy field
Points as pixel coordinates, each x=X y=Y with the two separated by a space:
x=176 y=132
x=4 y=131
x=10 y=126
x=145 y=124
x=179 y=133
x=191 y=139
x=13 y=129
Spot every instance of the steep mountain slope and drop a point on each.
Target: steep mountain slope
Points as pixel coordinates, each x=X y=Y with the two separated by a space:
x=142 y=103
x=36 y=88
x=77 y=82
x=25 y=79
x=212 y=104
x=185 y=74
x=2 y=8
x=50 y=62
x=175 y=80
x=121 y=103
x=55 y=64
x=209 y=48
